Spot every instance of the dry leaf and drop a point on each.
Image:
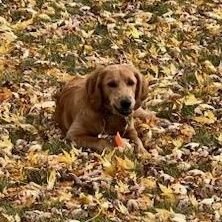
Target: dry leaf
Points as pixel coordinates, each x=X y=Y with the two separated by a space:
x=148 y=183
x=167 y=192
x=5 y=93
x=125 y=164
x=118 y=140
x=207 y=118
x=51 y=180
x=191 y=100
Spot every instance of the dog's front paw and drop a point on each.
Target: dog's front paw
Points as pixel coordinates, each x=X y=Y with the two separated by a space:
x=141 y=151
x=104 y=144
x=148 y=117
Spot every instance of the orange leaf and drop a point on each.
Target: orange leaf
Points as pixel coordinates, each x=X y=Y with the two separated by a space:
x=119 y=140
x=5 y=94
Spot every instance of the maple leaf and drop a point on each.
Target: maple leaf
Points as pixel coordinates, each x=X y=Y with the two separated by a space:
x=44 y=44
x=125 y=164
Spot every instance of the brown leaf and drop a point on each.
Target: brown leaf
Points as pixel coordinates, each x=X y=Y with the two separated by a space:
x=5 y=94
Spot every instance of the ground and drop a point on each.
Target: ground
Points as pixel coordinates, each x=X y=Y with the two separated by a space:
x=177 y=44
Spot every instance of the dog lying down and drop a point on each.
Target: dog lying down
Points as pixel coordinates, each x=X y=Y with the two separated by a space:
x=104 y=102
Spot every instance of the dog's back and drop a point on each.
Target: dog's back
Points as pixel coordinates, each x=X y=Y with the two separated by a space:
x=71 y=97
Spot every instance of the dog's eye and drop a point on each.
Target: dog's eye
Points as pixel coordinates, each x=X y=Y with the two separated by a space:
x=112 y=84
x=130 y=82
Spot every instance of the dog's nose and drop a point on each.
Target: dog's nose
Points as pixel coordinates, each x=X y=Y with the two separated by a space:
x=125 y=103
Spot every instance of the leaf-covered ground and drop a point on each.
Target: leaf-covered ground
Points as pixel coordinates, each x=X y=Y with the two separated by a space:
x=178 y=44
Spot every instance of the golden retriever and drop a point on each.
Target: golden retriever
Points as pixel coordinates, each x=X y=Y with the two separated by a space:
x=103 y=102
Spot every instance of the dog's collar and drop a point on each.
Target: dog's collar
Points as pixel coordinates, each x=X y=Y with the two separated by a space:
x=128 y=120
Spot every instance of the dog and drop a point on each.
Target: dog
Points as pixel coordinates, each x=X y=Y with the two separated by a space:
x=105 y=101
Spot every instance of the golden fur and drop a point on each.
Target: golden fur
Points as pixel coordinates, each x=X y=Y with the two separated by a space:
x=91 y=105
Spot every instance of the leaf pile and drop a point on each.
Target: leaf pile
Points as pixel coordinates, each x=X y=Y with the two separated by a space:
x=178 y=44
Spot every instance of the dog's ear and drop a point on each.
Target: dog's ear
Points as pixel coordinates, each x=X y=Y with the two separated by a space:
x=141 y=88
x=93 y=88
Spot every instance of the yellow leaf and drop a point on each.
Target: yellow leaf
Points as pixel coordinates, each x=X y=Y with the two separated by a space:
x=108 y=164
x=207 y=118
x=163 y=215
x=177 y=217
x=191 y=100
x=104 y=205
x=145 y=201
x=6 y=144
x=173 y=69
x=153 y=51
x=65 y=196
x=5 y=48
x=210 y=67
x=166 y=70
x=5 y=41
x=167 y=192
x=85 y=199
x=88 y=48
x=193 y=200
x=19 y=26
x=215 y=14
x=134 y=32
x=148 y=183
x=214 y=29
x=200 y=79
x=219 y=138
x=125 y=164
x=44 y=17
x=122 y=187
x=60 y=75
x=51 y=180
x=174 y=41
x=67 y=158
x=50 y=10
x=154 y=68
x=187 y=130
x=177 y=143
x=121 y=208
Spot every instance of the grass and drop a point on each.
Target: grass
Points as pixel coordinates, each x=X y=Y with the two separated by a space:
x=77 y=37
x=205 y=137
x=56 y=146
x=3 y=183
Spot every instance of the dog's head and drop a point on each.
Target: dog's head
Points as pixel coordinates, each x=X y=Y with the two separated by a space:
x=118 y=88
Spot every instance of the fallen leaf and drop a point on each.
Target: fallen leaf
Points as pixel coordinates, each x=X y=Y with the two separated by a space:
x=163 y=215
x=118 y=140
x=219 y=138
x=134 y=32
x=207 y=118
x=191 y=100
x=19 y=26
x=51 y=180
x=149 y=183
x=6 y=144
x=167 y=192
x=5 y=94
x=125 y=164
x=121 y=208
x=67 y=158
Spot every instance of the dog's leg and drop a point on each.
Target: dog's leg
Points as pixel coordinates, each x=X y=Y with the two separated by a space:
x=94 y=143
x=132 y=134
x=145 y=115
x=79 y=136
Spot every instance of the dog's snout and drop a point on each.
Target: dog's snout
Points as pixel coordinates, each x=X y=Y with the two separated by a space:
x=125 y=103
